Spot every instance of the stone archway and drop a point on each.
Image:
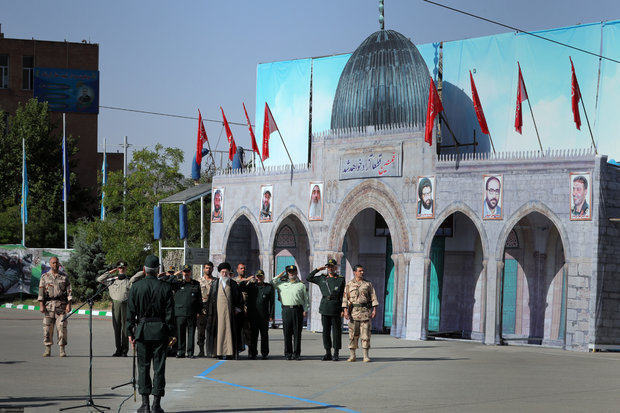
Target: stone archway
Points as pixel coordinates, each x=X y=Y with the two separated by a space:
x=242 y=241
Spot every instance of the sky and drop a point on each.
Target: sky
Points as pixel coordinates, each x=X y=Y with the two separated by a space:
x=178 y=57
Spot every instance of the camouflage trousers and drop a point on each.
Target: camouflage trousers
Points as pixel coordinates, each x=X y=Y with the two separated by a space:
x=54 y=319
x=359 y=329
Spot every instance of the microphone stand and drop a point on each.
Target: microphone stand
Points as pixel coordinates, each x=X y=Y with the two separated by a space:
x=133 y=377
x=89 y=402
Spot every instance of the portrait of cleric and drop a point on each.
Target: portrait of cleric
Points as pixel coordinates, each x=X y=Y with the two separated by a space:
x=217 y=214
x=266 y=205
x=315 y=209
x=492 y=203
x=426 y=197
x=580 y=196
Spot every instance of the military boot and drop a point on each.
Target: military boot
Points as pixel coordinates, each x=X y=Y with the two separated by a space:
x=48 y=351
x=62 y=352
x=156 y=408
x=201 y=352
x=144 y=408
x=336 y=355
x=328 y=355
x=352 y=356
x=366 y=358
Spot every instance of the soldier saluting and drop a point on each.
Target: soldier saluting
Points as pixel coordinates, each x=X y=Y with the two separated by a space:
x=332 y=289
x=360 y=306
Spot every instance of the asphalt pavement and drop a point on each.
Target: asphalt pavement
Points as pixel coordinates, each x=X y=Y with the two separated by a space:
x=404 y=376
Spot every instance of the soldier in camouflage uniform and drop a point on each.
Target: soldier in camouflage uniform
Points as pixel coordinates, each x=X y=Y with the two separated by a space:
x=332 y=288
x=54 y=301
x=360 y=307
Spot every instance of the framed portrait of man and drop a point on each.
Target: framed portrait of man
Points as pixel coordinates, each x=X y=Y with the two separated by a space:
x=426 y=197
x=315 y=206
x=492 y=202
x=266 y=203
x=581 y=196
x=217 y=205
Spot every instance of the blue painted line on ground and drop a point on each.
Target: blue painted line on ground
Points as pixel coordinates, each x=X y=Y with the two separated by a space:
x=210 y=369
x=203 y=375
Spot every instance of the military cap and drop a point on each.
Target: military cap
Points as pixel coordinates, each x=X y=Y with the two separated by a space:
x=121 y=263
x=170 y=268
x=291 y=268
x=187 y=267
x=224 y=266
x=152 y=261
x=260 y=273
x=331 y=261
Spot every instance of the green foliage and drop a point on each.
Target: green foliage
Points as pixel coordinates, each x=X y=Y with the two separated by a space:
x=127 y=232
x=33 y=124
x=85 y=264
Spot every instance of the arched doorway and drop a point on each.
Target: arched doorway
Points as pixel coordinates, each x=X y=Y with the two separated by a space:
x=533 y=284
x=370 y=236
x=242 y=245
x=291 y=247
x=456 y=284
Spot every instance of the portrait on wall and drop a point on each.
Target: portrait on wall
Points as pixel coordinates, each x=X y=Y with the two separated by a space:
x=217 y=206
x=426 y=197
x=493 y=197
x=315 y=208
x=266 y=204
x=581 y=196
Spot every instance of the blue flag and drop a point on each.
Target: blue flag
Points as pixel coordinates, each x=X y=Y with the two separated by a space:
x=24 y=206
x=104 y=181
x=65 y=169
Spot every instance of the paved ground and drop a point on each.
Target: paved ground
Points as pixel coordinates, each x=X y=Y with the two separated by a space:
x=404 y=376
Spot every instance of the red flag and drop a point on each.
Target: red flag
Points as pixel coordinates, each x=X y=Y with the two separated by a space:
x=254 y=145
x=232 y=148
x=202 y=138
x=575 y=94
x=521 y=96
x=478 y=106
x=269 y=126
x=434 y=107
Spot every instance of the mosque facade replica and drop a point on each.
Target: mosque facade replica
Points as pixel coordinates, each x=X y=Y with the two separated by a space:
x=500 y=248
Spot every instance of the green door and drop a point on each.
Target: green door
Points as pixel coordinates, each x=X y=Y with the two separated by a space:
x=281 y=263
x=434 y=294
x=509 y=296
x=389 y=285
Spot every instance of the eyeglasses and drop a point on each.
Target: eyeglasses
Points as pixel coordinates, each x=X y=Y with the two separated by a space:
x=493 y=191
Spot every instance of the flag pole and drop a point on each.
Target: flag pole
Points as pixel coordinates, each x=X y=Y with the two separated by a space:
x=588 y=122
x=445 y=119
x=289 y=155
x=103 y=179
x=24 y=206
x=64 y=170
x=491 y=140
x=534 y=120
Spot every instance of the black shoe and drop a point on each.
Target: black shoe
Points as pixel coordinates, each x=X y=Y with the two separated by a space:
x=336 y=355
x=180 y=356
x=116 y=354
x=191 y=356
x=124 y=354
x=289 y=357
x=298 y=358
x=265 y=357
x=252 y=357
x=327 y=356
x=144 y=408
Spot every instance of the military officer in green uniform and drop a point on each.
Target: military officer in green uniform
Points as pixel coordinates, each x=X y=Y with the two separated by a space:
x=294 y=299
x=332 y=287
x=118 y=287
x=187 y=305
x=150 y=326
x=261 y=308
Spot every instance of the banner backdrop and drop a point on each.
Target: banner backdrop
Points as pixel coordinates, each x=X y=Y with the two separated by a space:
x=67 y=90
x=285 y=86
x=493 y=63
x=21 y=268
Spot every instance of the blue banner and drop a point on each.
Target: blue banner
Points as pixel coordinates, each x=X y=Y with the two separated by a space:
x=67 y=90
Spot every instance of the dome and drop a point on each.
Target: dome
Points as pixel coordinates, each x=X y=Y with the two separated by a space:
x=384 y=82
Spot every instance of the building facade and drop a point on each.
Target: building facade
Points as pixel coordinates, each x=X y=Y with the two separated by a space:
x=501 y=248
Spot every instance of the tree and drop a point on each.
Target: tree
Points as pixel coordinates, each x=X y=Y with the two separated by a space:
x=85 y=263
x=43 y=140
x=127 y=232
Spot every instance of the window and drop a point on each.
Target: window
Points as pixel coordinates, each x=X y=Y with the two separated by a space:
x=4 y=71
x=27 y=72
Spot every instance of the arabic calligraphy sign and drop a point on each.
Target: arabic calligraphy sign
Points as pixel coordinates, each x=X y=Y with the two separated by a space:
x=371 y=164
